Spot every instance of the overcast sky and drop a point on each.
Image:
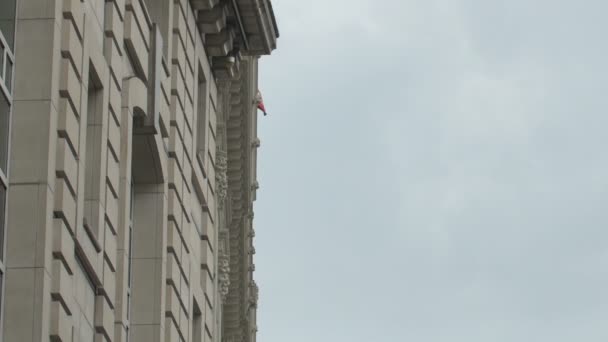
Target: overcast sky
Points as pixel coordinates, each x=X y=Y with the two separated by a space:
x=434 y=171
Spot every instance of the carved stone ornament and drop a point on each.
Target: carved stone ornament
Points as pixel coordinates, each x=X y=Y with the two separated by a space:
x=253 y=293
x=221 y=176
x=224 y=275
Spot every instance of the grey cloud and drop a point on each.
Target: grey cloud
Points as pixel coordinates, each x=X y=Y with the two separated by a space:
x=434 y=171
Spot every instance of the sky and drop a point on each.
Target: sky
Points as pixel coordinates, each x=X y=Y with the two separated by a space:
x=434 y=171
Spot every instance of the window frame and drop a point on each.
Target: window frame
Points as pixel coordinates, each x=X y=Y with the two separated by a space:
x=7 y=57
x=6 y=88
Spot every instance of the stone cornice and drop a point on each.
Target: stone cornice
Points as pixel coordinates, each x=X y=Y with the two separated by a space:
x=241 y=300
x=231 y=28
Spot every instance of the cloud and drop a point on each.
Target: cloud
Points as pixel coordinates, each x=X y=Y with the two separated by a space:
x=434 y=171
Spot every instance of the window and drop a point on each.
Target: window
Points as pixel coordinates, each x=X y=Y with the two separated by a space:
x=2 y=220
x=94 y=150
x=5 y=110
x=197 y=323
x=8 y=74
x=7 y=21
x=7 y=38
x=7 y=32
x=2 y=50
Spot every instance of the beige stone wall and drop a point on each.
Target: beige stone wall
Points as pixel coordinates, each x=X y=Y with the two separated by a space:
x=113 y=217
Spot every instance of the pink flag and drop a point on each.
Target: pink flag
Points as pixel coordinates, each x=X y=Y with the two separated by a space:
x=260 y=102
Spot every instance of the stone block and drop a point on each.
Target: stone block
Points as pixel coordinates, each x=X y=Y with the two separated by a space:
x=69 y=84
x=187 y=136
x=148 y=233
x=67 y=166
x=115 y=60
x=120 y=333
x=148 y=283
x=33 y=149
x=110 y=248
x=114 y=143
x=71 y=47
x=34 y=49
x=192 y=33
x=185 y=267
x=60 y=324
x=209 y=232
x=27 y=298
x=104 y=320
x=174 y=241
x=116 y=104
x=72 y=10
x=190 y=89
x=113 y=175
x=114 y=25
x=65 y=205
x=208 y=259
x=108 y=288
x=91 y=254
x=61 y=290
x=135 y=44
x=122 y=278
x=171 y=332
x=93 y=221
x=120 y=7
x=209 y=316
x=111 y=213
x=63 y=245
x=172 y=303
x=177 y=85
x=68 y=126
x=177 y=115
x=179 y=24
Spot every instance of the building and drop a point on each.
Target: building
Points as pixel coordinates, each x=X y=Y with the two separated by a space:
x=128 y=154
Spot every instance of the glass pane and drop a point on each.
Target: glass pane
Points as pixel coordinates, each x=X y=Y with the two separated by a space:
x=5 y=110
x=7 y=21
x=2 y=221
x=1 y=60
x=8 y=79
x=1 y=287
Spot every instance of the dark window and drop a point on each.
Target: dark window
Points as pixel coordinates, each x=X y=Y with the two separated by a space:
x=7 y=21
x=1 y=286
x=94 y=117
x=2 y=49
x=2 y=221
x=197 y=324
x=5 y=110
x=8 y=79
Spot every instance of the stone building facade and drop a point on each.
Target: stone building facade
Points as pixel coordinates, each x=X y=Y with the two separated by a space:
x=128 y=151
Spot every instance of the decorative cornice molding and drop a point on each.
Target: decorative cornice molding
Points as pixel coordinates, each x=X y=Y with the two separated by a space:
x=221 y=176
x=224 y=264
x=224 y=276
x=254 y=293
